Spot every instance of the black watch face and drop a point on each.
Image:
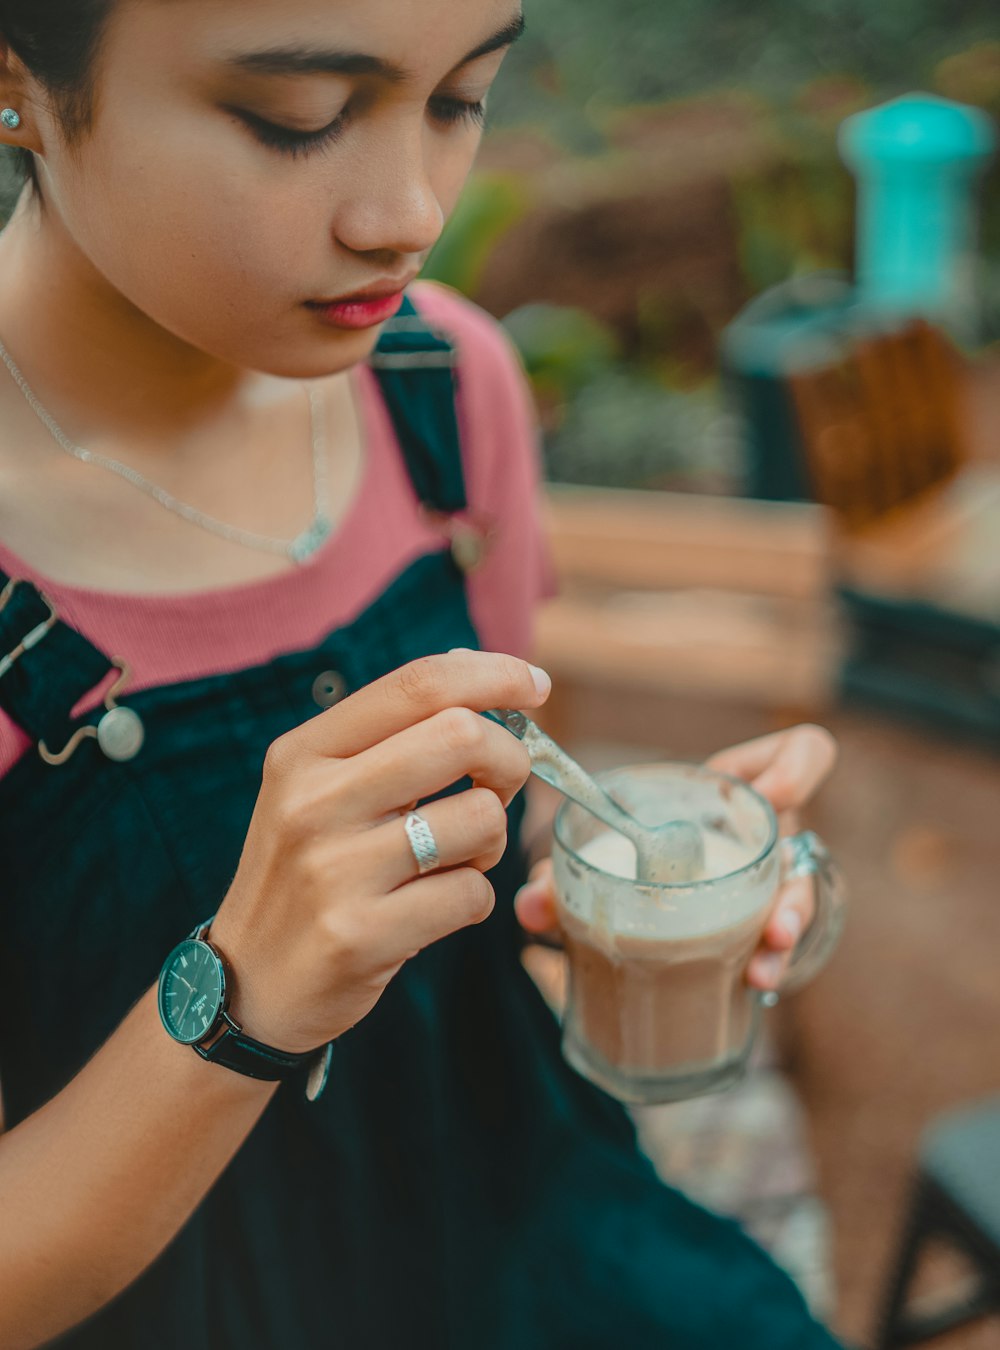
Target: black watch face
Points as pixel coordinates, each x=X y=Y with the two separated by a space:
x=192 y=988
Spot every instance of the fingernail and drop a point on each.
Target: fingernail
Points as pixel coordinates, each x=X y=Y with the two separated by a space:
x=531 y=888
x=458 y=649
x=791 y=923
x=543 y=684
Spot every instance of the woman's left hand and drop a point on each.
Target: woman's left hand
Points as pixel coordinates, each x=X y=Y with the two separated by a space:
x=786 y=767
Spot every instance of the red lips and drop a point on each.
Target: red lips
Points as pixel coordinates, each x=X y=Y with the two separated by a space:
x=357 y=312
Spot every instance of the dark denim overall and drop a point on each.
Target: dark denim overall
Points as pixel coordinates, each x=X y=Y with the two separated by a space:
x=457 y=1187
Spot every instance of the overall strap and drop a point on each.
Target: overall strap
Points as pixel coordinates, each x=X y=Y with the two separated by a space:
x=46 y=666
x=415 y=368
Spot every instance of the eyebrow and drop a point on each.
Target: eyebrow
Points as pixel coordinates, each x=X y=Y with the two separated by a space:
x=299 y=60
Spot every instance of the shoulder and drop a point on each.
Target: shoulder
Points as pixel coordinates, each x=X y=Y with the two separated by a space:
x=496 y=410
x=485 y=353
x=500 y=450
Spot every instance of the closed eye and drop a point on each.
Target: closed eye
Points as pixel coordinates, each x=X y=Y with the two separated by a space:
x=452 y=110
x=287 y=139
x=446 y=111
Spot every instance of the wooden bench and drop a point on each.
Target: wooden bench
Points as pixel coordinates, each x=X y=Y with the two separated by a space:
x=670 y=593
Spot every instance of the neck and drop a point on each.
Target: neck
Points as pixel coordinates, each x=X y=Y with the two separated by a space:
x=104 y=369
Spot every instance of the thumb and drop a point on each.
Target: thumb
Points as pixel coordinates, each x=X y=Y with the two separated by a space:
x=535 y=902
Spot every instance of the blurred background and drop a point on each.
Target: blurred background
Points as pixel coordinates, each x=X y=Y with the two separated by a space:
x=750 y=256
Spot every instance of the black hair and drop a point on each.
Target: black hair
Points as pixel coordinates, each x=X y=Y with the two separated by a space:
x=58 y=41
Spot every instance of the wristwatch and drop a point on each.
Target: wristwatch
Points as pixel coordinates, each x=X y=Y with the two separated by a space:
x=193 y=1000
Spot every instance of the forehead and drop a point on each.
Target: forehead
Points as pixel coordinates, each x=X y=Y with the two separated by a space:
x=420 y=37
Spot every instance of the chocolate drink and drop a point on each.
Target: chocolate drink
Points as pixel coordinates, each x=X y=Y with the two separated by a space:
x=655 y=1005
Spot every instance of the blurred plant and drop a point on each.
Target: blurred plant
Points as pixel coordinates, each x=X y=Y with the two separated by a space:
x=624 y=430
x=588 y=74
x=562 y=349
x=587 y=54
x=490 y=205
x=797 y=217
x=972 y=76
x=609 y=423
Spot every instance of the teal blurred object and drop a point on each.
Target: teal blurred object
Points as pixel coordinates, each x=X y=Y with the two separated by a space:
x=791 y=326
x=917 y=160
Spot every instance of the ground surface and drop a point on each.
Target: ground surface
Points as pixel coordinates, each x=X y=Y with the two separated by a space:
x=904 y=1023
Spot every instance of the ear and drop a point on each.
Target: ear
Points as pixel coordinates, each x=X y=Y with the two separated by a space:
x=18 y=91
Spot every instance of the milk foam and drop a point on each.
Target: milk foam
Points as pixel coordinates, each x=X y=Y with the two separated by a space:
x=612 y=852
x=615 y=911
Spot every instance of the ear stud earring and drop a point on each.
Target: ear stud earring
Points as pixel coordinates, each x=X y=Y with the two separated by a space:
x=10 y=118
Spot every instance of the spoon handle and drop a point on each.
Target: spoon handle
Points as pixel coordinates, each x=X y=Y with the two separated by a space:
x=551 y=763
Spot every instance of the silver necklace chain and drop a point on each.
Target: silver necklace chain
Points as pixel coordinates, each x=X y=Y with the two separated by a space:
x=303 y=546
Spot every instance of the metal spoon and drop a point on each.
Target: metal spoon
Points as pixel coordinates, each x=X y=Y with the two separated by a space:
x=673 y=852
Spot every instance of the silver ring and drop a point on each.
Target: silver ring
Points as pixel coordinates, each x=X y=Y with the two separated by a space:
x=423 y=845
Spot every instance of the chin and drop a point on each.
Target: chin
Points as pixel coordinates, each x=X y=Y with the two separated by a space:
x=314 y=359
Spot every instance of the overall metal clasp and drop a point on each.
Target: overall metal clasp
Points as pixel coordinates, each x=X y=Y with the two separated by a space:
x=120 y=733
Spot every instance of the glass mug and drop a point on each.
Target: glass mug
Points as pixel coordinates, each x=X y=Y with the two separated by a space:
x=658 y=1006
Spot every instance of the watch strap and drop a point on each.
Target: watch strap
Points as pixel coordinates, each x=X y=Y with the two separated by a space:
x=234 y=1049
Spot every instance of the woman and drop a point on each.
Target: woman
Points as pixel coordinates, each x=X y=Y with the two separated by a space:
x=222 y=508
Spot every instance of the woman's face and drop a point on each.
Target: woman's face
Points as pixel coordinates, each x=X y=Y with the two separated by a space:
x=252 y=157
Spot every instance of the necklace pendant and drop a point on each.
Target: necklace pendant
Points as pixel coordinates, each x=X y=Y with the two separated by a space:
x=307 y=543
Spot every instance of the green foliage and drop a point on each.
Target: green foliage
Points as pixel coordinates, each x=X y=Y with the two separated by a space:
x=798 y=218
x=622 y=429
x=607 y=422
x=562 y=349
x=638 y=83
x=589 y=55
x=490 y=204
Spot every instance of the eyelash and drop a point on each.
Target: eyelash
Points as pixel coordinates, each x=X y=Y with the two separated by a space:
x=449 y=111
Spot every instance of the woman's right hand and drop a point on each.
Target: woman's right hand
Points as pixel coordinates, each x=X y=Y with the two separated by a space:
x=327 y=904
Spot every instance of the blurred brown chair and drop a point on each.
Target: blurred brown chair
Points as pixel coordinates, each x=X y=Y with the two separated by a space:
x=916 y=539
x=881 y=427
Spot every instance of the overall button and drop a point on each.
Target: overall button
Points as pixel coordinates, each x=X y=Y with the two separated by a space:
x=120 y=734
x=329 y=688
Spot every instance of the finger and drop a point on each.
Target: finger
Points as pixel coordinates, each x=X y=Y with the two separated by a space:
x=792 y=914
x=430 y=908
x=786 y=767
x=789 y=823
x=421 y=760
x=767 y=969
x=535 y=903
x=543 y=870
x=415 y=692
x=749 y=758
x=469 y=829
x=801 y=765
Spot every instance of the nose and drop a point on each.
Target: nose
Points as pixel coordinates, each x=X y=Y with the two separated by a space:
x=390 y=204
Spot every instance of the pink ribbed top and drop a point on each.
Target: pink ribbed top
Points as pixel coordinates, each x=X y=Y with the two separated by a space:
x=169 y=638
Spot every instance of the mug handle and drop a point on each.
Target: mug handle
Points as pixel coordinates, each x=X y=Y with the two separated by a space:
x=808 y=856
